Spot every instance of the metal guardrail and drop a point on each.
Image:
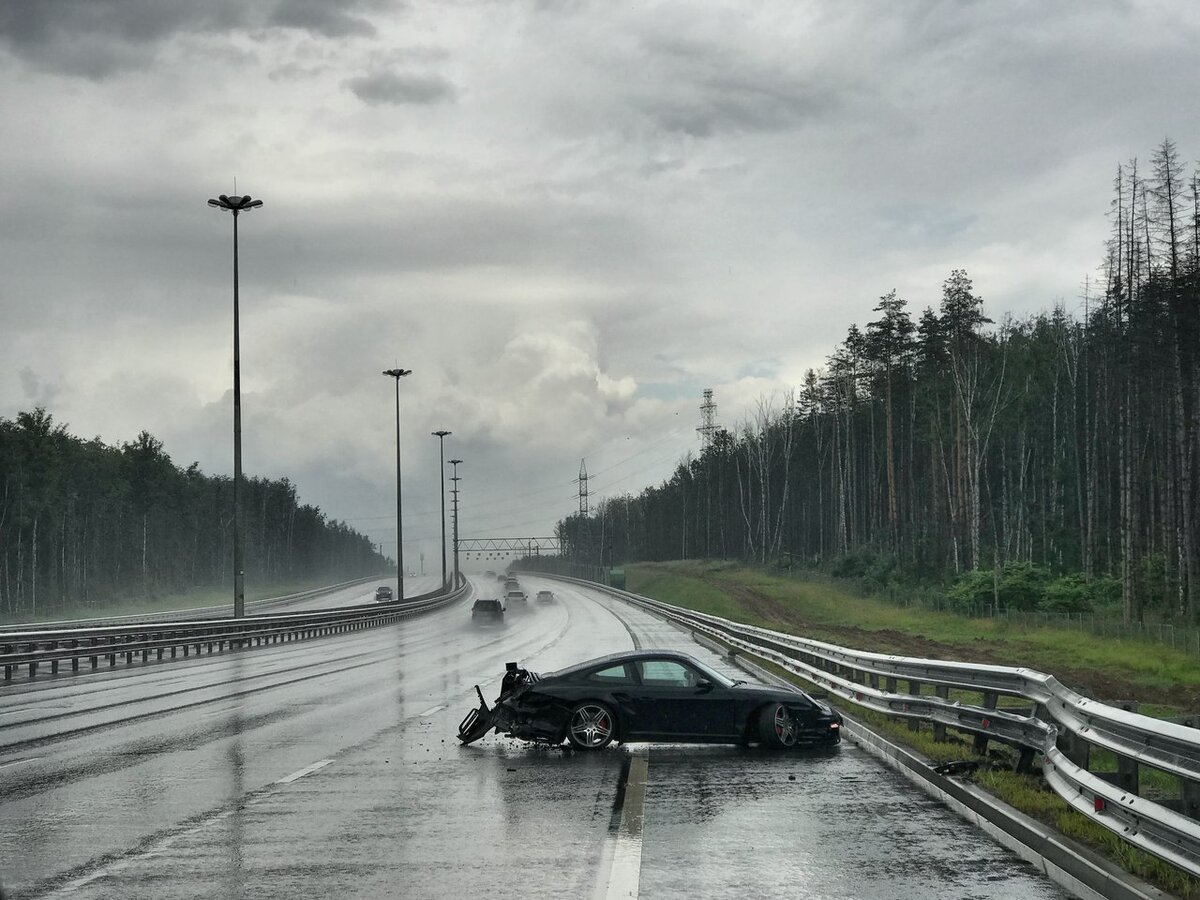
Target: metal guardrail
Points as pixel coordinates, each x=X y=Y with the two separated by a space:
x=197 y=612
x=33 y=648
x=1060 y=723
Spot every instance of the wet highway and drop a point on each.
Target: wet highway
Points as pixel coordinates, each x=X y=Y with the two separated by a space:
x=329 y=768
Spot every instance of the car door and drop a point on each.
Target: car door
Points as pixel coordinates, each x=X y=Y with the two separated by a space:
x=671 y=703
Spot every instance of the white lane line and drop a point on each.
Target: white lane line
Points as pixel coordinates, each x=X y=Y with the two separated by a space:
x=431 y=710
x=307 y=770
x=17 y=762
x=625 y=875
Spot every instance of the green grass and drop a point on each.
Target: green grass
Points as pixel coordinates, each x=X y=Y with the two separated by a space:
x=1154 y=674
x=183 y=600
x=825 y=612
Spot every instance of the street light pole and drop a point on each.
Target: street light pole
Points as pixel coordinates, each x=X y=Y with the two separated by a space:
x=454 y=478
x=398 y=374
x=441 y=436
x=236 y=205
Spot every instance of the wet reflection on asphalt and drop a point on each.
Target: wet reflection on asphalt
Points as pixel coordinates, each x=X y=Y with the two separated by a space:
x=241 y=776
x=826 y=823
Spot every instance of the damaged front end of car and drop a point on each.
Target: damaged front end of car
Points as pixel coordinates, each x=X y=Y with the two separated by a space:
x=518 y=712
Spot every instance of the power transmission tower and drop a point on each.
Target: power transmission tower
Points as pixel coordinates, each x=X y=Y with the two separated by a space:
x=708 y=415
x=708 y=431
x=584 y=550
x=583 y=488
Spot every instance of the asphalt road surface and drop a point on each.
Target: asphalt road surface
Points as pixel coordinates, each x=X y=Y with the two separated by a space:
x=329 y=768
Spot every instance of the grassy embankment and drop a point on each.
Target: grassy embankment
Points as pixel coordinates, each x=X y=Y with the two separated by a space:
x=1164 y=682
x=197 y=598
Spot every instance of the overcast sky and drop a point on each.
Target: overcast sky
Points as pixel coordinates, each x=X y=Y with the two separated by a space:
x=568 y=218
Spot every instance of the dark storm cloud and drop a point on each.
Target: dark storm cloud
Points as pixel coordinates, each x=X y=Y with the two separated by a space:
x=95 y=38
x=390 y=87
x=710 y=87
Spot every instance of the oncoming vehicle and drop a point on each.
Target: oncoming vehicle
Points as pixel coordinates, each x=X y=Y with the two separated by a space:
x=383 y=593
x=545 y=596
x=487 y=611
x=648 y=695
x=516 y=596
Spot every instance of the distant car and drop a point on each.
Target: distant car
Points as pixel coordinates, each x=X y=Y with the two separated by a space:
x=649 y=695
x=490 y=573
x=516 y=597
x=545 y=596
x=383 y=593
x=485 y=611
x=500 y=576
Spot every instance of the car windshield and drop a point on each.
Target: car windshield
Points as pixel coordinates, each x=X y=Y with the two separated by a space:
x=715 y=677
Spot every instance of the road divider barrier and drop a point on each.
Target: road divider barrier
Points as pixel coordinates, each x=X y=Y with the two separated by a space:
x=36 y=650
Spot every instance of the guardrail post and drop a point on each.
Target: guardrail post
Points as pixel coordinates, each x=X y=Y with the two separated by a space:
x=939 y=729
x=1189 y=797
x=1025 y=761
x=990 y=699
x=75 y=659
x=53 y=662
x=914 y=688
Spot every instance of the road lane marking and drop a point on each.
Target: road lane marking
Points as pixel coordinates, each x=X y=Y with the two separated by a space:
x=17 y=762
x=307 y=770
x=625 y=842
x=432 y=710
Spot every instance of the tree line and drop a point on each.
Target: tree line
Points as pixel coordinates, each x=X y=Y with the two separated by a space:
x=944 y=445
x=84 y=522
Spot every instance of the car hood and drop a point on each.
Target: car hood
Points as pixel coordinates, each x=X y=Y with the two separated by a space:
x=780 y=694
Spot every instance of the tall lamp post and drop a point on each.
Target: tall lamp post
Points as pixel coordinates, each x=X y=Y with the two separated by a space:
x=398 y=374
x=236 y=205
x=441 y=436
x=454 y=478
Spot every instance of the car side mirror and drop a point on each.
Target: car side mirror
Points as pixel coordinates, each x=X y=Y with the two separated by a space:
x=704 y=685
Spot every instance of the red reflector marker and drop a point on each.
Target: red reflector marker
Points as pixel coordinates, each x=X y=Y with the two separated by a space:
x=986 y=723
x=1099 y=803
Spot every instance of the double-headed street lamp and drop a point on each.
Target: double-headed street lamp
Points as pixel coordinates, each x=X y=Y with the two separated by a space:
x=398 y=374
x=236 y=205
x=441 y=436
x=454 y=478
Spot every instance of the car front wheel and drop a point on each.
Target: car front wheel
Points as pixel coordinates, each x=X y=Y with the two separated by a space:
x=591 y=726
x=777 y=727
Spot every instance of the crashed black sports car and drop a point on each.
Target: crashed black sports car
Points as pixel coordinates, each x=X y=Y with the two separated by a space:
x=648 y=695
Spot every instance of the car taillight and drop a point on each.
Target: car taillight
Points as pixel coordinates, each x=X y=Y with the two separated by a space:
x=834 y=725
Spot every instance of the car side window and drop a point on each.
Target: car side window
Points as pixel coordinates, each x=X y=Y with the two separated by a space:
x=668 y=673
x=613 y=675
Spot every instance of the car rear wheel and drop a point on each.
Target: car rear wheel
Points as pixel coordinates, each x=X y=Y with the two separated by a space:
x=591 y=726
x=777 y=727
